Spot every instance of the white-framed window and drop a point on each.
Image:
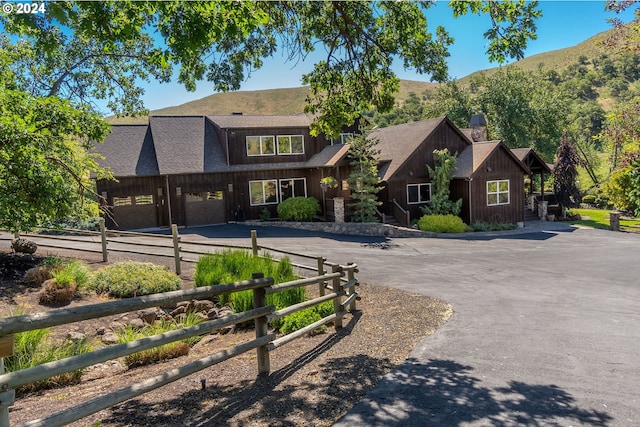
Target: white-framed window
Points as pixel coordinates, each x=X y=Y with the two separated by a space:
x=498 y=192
x=261 y=145
x=294 y=187
x=290 y=144
x=264 y=192
x=418 y=193
x=343 y=138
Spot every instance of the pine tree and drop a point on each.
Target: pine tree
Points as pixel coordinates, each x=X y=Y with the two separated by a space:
x=565 y=175
x=363 y=180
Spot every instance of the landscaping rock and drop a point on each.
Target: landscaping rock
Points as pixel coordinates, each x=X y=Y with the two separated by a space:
x=110 y=338
x=24 y=246
x=137 y=324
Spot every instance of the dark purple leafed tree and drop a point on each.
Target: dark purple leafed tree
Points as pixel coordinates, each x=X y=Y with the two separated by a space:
x=565 y=175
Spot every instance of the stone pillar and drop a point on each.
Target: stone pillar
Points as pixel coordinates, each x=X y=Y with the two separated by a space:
x=532 y=203
x=542 y=210
x=338 y=209
x=614 y=221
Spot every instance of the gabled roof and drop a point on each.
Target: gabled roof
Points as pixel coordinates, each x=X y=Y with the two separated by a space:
x=475 y=155
x=398 y=143
x=128 y=150
x=240 y=121
x=531 y=159
x=179 y=143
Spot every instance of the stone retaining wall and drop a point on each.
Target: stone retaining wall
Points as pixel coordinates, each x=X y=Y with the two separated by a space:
x=352 y=228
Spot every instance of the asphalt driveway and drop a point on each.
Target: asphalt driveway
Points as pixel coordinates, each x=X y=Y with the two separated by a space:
x=545 y=331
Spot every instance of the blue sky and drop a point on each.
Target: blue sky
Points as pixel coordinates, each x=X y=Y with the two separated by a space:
x=563 y=24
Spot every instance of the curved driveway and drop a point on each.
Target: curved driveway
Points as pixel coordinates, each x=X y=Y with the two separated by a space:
x=545 y=330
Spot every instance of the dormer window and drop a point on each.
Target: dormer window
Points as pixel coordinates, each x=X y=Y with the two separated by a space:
x=290 y=144
x=261 y=145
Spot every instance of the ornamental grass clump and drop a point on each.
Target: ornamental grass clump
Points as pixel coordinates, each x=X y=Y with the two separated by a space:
x=234 y=266
x=130 y=279
x=68 y=278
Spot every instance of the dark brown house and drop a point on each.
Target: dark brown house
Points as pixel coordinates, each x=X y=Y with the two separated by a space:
x=193 y=170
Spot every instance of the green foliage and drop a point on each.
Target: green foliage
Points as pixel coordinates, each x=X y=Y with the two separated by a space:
x=441 y=176
x=233 y=266
x=163 y=352
x=52 y=262
x=130 y=279
x=589 y=199
x=441 y=224
x=306 y=317
x=74 y=272
x=298 y=209
x=265 y=215
x=363 y=180
x=33 y=348
x=452 y=100
x=618 y=190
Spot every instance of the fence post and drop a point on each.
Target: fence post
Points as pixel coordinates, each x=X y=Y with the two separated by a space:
x=337 y=287
x=103 y=234
x=321 y=272
x=254 y=242
x=260 y=300
x=351 y=274
x=7 y=398
x=176 y=247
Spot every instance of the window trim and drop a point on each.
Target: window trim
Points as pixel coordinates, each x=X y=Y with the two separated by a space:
x=498 y=192
x=261 y=138
x=291 y=152
x=419 y=184
x=264 y=203
x=280 y=181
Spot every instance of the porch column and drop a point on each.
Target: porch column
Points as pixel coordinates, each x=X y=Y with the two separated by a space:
x=338 y=209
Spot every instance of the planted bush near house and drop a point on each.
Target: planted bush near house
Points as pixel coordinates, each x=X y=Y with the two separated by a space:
x=129 y=279
x=589 y=199
x=303 y=318
x=442 y=224
x=299 y=209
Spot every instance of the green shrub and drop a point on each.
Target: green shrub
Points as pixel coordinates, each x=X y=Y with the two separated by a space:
x=233 y=266
x=298 y=209
x=52 y=262
x=442 y=224
x=129 y=279
x=74 y=272
x=300 y=319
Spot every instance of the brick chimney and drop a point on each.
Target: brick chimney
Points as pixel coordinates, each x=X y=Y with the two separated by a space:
x=478 y=125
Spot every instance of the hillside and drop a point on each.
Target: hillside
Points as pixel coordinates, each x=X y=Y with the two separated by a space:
x=259 y=102
x=292 y=100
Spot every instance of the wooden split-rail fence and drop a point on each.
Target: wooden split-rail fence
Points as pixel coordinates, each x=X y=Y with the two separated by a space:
x=338 y=280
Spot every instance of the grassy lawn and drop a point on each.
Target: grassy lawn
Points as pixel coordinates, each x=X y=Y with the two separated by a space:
x=599 y=218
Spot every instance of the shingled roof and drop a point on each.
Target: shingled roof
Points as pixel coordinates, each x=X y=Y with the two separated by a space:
x=240 y=121
x=474 y=156
x=531 y=159
x=179 y=143
x=128 y=151
x=398 y=143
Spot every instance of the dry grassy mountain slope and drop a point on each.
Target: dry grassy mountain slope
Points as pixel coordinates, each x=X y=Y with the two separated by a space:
x=292 y=100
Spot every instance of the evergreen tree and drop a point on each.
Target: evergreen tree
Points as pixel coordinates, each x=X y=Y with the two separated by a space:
x=441 y=176
x=565 y=175
x=363 y=180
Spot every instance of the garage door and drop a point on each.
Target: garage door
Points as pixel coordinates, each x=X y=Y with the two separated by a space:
x=134 y=212
x=206 y=207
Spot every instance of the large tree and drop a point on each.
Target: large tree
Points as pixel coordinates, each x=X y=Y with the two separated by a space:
x=565 y=175
x=76 y=52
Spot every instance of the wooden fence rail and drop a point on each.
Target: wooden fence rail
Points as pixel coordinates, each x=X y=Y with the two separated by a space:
x=263 y=343
x=167 y=246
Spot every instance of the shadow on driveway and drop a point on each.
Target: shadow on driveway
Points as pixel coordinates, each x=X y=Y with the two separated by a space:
x=444 y=393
